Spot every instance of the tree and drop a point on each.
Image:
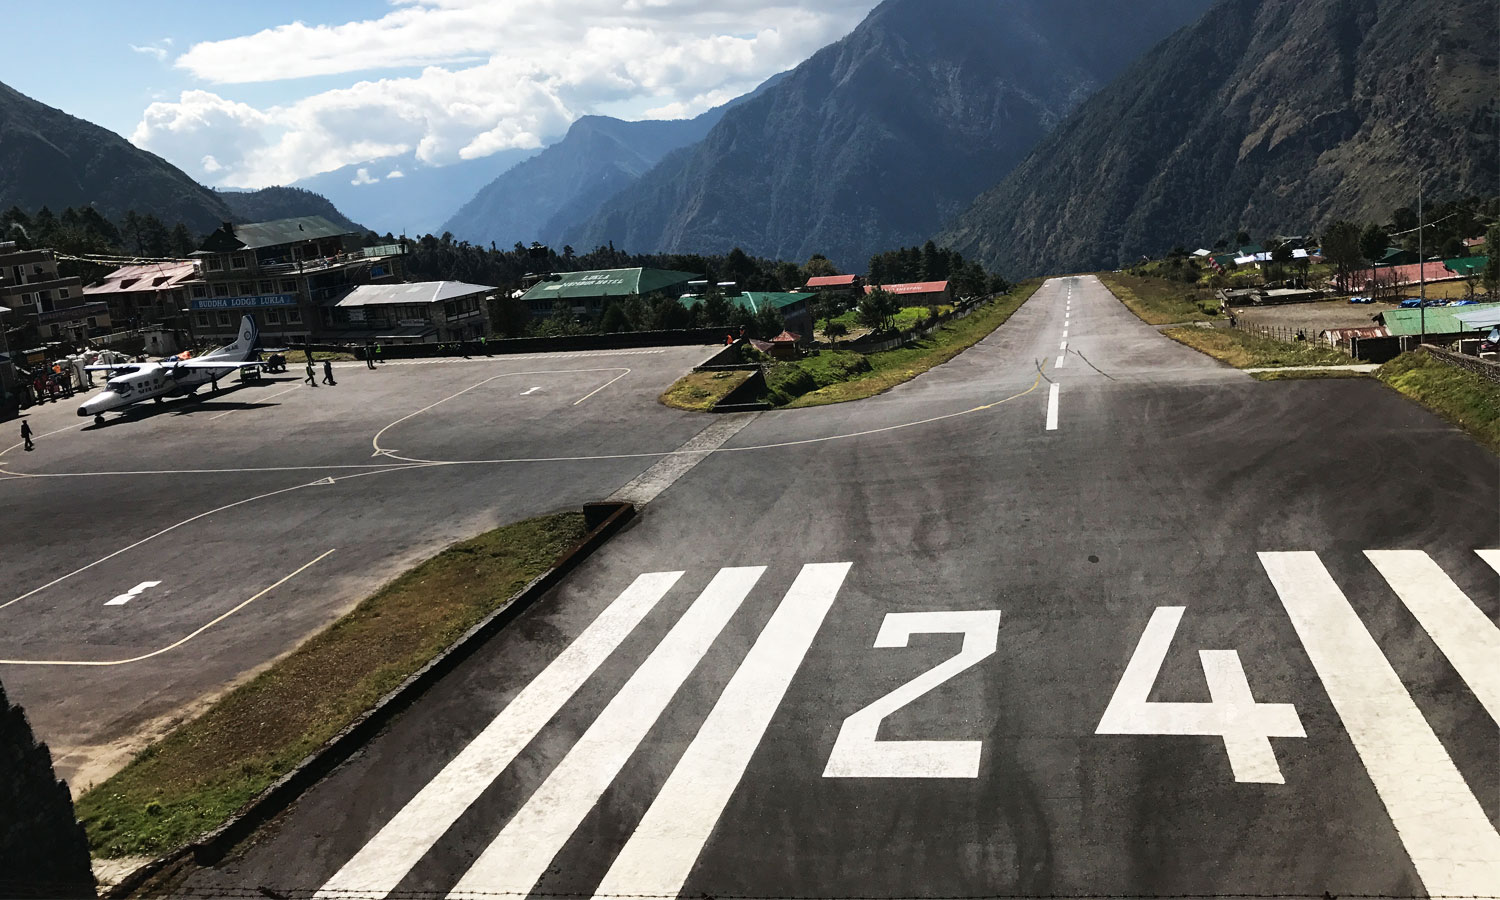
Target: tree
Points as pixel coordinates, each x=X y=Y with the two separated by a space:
x=1454 y=248
x=1280 y=258
x=768 y=322
x=1492 y=269
x=1242 y=239
x=819 y=267
x=1405 y=219
x=182 y=241
x=716 y=310
x=42 y=847
x=614 y=319
x=1341 y=247
x=789 y=276
x=130 y=229
x=834 y=331
x=878 y=310
x=1372 y=245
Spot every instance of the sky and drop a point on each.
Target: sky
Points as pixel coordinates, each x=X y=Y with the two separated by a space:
x=267 y=92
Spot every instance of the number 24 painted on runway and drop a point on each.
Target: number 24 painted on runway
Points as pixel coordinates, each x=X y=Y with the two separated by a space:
x=858 y=754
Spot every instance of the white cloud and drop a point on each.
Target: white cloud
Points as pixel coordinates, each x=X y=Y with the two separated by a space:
x=158 y=53
x=362 y=176
x=395 y=173
x=497 y=76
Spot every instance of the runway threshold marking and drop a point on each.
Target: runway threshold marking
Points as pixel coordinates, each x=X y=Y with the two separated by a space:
x=175 y=644
x=381 y=864
x=662 y=850
x=1452 y=844
x=518 y=857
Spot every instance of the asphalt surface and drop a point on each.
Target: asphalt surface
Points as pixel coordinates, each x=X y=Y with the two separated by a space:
x=225 y=497
x=986 y=657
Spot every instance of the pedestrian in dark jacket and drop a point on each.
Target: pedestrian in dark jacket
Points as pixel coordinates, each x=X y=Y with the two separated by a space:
x=312 y=377
x=26 y=435
x=328 y=373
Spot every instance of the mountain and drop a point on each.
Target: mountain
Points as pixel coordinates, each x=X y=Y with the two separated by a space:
x=878 y=140
x=272 y=203
x=545 y=196
x=1272 y=116
x=49 y=158
x=418 y=200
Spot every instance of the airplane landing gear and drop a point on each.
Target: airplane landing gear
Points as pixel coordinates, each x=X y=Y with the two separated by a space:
x=99 y=419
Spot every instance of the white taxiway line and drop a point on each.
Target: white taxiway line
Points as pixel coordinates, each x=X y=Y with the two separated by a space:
x=662 y=850
x=525 y=848
x=1061 y=361
x=1452 y=845
x=381 y=864
x=170 y=647
x=261 y=399
x=1052 y=405
x=603 y=386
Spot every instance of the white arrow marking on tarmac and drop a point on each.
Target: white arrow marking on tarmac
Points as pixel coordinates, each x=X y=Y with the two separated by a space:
x=530 y=392
x=325 y=481
x=132 y=593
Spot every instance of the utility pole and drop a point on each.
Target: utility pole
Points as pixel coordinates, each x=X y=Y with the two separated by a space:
x=1422 y=259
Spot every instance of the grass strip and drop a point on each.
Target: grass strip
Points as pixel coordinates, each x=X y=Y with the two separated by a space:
x=836 y=377
x=1467 y=399
x=1249 y=350
x=199 y=775
x=1159 y=301
x=701 y=391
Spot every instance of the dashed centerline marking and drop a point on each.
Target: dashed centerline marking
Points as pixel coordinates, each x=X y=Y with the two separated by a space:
x=1052 y=405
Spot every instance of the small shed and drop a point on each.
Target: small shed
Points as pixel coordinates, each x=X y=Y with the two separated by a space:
x=784 y=345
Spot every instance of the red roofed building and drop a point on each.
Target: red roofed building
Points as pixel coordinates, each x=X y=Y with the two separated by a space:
x=1414 y=274
x=834 y=283
x=921 y=293
x=784 y=345
x=148 y=294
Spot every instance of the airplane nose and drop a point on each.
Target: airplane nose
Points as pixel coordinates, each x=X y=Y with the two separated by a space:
x=84 y=410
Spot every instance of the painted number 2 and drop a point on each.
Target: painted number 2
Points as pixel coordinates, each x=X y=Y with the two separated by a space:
x=858 y=754
x=1245 y=725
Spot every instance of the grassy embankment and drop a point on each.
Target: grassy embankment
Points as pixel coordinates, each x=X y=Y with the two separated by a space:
x=1251 y=350
x=1464 y=398
x=839 y=376
x=701 y=391
x=205 y=770
x=1160 y=301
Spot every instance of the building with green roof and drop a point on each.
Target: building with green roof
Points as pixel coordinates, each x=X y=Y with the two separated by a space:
x=1466 y=266
x=589 y=292
x=1440 y=319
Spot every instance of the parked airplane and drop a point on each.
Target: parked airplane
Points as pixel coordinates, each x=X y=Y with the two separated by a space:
x=135 y=382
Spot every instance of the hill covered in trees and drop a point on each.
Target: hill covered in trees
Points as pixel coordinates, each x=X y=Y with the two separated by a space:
x=1273 y=116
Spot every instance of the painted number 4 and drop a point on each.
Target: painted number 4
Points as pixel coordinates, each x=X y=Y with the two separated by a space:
x=1245 y=725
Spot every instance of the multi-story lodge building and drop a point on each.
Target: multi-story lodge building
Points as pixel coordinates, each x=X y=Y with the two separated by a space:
x=290 y=274
x=46 y=307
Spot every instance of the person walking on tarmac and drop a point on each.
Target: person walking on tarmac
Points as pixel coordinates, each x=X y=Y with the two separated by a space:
x=328 y=373
x=312 y=378
x=370 y=356
x=26 y=435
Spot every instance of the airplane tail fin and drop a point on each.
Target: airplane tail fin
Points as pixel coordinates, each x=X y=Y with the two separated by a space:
x=244 y=344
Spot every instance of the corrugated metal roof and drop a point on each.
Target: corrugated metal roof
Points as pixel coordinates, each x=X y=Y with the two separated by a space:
x=832 y=281
x=607 y=283
x=1467 y=264
x=1440 y=319
x=405 y=294
x=754 y=300
x=917 y=287
x=1413 y=274
x=275 y=234
x=144 y=278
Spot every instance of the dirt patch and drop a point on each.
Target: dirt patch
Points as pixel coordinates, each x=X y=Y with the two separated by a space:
x=1314 y=317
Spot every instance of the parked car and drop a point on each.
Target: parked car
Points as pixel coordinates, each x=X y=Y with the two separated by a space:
x=1361 y=299
x=1491 y=344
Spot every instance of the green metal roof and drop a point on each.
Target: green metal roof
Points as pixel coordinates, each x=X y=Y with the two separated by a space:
x=607 y=283
x=1467 y=265
x=1440 y=320
x=754 y=300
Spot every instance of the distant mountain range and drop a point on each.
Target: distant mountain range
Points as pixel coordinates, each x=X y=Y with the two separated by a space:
x=1272 y=116
x=545 y=197
x=417 y=201
x=878 y=140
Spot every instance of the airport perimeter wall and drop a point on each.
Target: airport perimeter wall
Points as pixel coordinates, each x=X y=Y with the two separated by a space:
x=568 y=344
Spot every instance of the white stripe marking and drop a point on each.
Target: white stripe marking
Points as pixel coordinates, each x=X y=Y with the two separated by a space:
x=1452 y=845
x=381 y=864
x=524 y=849
x=530 y=392
x=602 y=387
x=1052 y=406
x=1064 y=346
x=132 y=593
x=649 y=484
x=1065 y=332
x=1460 y=629
x=660 y=854
x=1061 y=361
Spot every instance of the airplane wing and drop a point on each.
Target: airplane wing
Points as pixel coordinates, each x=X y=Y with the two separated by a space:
x=115 y=368
x=213 y=364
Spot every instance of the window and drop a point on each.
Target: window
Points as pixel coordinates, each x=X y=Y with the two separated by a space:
x=44 y=297
x=224 y=319
x=93 y=323
x=294 y=316
x=202 y=319
x=26 y=299
x=200 y=291
x=221 y=290
x=62 y=293
x=267 y=287
x=288 y=286
x=36 y=268
x=246 y=289
x=216 y=263
x=273 y=317
x=239 y=262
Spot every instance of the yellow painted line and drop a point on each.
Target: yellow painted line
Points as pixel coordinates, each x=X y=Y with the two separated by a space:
x=169 y=647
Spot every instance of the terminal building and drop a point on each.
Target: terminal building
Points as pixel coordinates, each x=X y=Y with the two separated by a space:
x=587 y=293
x=425 y=312
x=290 y=274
